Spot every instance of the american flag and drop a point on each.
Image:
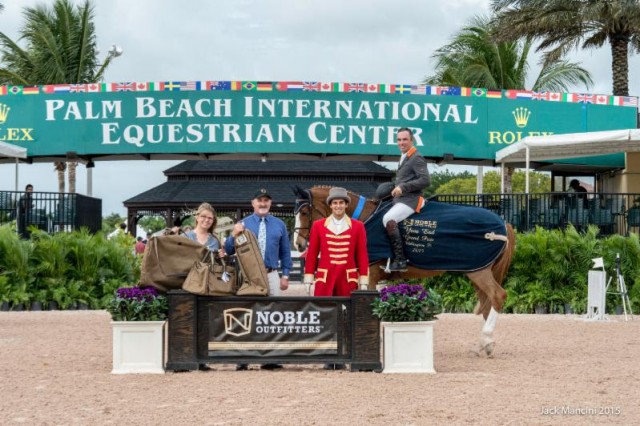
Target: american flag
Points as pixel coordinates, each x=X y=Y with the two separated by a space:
x=419 y=90
x=629 y=100
x=187 y=86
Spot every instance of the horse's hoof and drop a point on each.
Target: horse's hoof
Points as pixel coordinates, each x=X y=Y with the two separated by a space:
x=488 y=348
x=476 y=350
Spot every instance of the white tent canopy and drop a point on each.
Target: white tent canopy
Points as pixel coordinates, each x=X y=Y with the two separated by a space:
x=13 y=151
x=572 y=145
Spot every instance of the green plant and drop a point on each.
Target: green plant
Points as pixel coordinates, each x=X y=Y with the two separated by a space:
x=406 y=302
x=138 y=304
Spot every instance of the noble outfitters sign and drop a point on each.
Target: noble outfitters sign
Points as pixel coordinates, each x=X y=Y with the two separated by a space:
x=273 y=328
x=291 y=117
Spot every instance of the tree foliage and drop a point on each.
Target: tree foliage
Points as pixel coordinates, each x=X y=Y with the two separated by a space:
x=538 y=182
x=474 y=59
x=563 y=25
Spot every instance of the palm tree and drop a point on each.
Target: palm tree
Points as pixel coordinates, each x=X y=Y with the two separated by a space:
x=564 y=25
x=474 y=59
x=60 y=48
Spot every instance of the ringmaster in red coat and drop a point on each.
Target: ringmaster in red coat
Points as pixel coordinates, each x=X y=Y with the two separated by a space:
x=341 y=243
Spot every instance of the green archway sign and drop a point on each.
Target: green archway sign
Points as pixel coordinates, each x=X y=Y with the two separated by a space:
x=207 y=118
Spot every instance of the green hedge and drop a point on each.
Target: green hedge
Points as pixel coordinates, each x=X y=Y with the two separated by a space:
x=67 y=268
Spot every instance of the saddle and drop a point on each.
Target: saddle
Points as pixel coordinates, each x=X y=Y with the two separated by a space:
x=442 y=236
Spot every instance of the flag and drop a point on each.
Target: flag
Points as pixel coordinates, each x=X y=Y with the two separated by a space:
x=249 y=85
x=3 y=90
x=495 y=94
x=94 y=87
x=450 y=91
x=123 y=87
x=387 y=88
x=517 y=94
x=401 y=88
x=188 y=86
x=236 y=85
x=554 y=96
x=77 y=88
x=265 y=86
x=354 y=87
x=585 y=98
x=465 y=91
x=61 y=88
x=30 y=90
x=629 y=100
x=143 y=87
x=602 y=99
x=217 y=85
x=311 y=86
x=569 y=97
x=290 y=86
x=171 y=86
x=432 y=90
x=330 y=87
x=372 y=88
x=419 y=89
x=479 y=92
x=539 y=96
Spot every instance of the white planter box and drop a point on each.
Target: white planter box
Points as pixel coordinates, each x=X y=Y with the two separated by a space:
x=407 y=347
x=138 y=347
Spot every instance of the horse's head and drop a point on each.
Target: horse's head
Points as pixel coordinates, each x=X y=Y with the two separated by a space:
x=307 y=209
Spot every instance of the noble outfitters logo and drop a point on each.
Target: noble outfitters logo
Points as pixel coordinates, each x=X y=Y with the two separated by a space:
x=12 y=133
x=300 y=329
x=237 y=321
x=521 y=117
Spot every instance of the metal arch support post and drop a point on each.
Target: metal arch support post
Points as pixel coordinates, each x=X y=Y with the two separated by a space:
x=502 y=177
x=526 y=189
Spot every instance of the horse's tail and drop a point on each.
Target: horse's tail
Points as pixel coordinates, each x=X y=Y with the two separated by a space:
x=501 y=266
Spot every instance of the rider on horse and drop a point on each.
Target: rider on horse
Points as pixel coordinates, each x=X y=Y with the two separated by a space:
x=412 y=177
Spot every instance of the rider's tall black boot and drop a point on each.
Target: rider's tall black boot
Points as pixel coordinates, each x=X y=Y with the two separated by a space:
x=398 y=262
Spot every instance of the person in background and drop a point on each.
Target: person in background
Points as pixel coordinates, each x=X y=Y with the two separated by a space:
x=275 y=248
x=581 y=192
x=140 y=246
x=341 y=243
x=25 y=205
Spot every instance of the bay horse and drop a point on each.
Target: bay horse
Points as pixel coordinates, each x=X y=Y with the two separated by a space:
x=487 y=281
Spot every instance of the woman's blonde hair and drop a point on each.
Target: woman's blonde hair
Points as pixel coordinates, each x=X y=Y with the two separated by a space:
x=207 y=207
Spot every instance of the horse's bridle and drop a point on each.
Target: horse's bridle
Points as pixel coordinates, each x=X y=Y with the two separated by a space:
x=300 y=205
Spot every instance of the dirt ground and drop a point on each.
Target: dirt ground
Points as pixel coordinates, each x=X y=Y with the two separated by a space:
x=55 y=368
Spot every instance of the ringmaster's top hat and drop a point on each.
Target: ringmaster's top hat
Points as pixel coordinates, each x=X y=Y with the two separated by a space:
x=262 y=193
x=337 y=193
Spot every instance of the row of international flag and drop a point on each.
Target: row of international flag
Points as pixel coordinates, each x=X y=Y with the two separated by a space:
x=317 y=86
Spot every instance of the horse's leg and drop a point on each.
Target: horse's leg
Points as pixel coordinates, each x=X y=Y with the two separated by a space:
x=489 y=288
x=484 y=304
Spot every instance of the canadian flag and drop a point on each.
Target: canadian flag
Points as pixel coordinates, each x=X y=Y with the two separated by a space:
x=602 y=99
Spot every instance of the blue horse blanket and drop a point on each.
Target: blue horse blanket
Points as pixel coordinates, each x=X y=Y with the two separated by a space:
x=442 y=237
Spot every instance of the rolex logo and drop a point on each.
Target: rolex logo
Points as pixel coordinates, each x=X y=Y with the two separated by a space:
x=521 y=115
x=4 y=112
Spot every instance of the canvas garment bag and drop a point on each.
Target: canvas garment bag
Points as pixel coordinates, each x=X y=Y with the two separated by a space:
x=167 y=260
x=254 y=274
x=211 y=276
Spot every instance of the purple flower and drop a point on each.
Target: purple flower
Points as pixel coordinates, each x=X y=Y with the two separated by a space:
x=137 y=293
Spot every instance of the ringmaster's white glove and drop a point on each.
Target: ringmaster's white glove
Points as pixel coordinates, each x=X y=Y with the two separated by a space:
x=308 y=282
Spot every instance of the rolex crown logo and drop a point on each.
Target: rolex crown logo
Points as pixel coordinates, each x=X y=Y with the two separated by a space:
x=4 y=112
x=521 y=115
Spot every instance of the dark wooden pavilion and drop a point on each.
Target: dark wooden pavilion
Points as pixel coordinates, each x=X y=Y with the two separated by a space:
x=229 y=186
